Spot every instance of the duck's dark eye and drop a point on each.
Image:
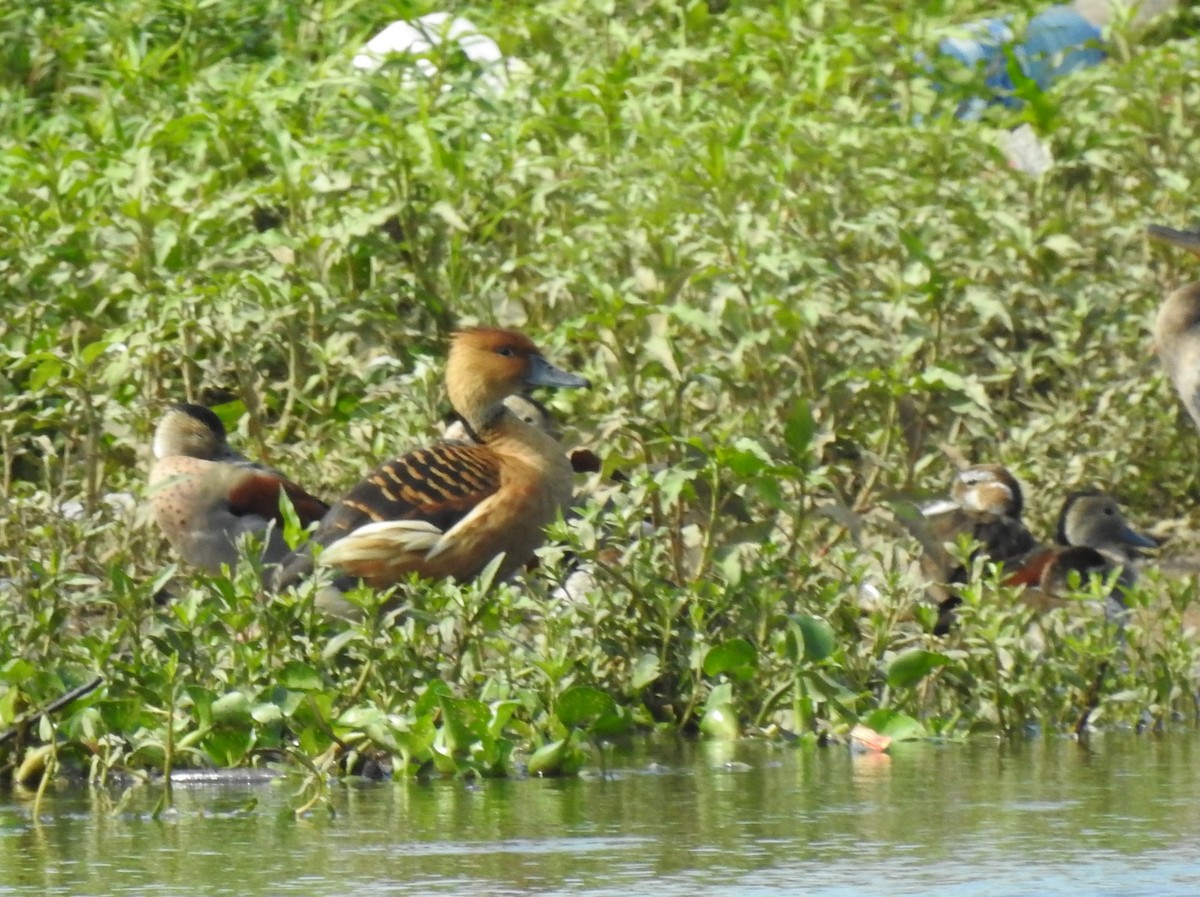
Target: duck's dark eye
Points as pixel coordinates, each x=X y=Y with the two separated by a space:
x=506 y=352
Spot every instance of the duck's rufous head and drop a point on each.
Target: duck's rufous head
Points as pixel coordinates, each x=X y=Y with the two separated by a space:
x=486 y=365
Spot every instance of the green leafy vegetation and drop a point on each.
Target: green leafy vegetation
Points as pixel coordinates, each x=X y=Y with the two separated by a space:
x=788 y=293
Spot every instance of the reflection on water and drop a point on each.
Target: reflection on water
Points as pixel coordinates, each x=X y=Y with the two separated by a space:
x=1046 y=817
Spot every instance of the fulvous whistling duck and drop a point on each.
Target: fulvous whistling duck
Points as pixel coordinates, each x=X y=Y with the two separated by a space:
x=449 y=509
x=1177 y=327
x=204 y=495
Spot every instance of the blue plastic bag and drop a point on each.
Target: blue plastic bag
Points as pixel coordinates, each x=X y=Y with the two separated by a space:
x=1056 y=43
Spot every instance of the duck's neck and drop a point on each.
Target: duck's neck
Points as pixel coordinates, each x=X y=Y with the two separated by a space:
x=476 y=404
x=532 y=458
x=485 y=423
x=501 y=424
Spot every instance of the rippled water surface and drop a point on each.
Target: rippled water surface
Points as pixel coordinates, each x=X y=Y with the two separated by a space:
x=1046 y=817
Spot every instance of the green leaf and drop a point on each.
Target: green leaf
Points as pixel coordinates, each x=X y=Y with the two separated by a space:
x=415 y=741
x=266 y=713
x=17 y=670
x=44 y=373
x=228 y=746
x=558 y=758
x=720 y=722
x=736 y=657
x=502 y=712
x=798 y=430
x=232 y=708
x=202 y=703
x=92 y=351
x=299 y=676
x=581 y=704
x=911 y=666
x=359 y=717
x=447 y=213
x=816 y=636
x=645 y=671
x=609 y=725
x=897 y=726
x=431 y=697
x=465 y=722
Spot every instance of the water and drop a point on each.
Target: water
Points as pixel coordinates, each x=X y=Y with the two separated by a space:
x=1044 y=818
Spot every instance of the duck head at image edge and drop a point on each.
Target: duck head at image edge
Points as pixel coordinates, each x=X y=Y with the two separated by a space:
x=1177 y=326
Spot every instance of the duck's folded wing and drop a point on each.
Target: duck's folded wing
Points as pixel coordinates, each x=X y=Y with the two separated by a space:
x=363 y=551
x=438 y=485
x=400 y=511
x=256 y=492
x=1029 y=571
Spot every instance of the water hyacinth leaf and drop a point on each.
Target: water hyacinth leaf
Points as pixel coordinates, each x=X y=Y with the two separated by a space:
x=720 y=721
x=415 y=740
x=359 y=718
x=582 y=704
x=911 y=666
x=835 y=693
x=814 y=635
x=443 y=755
x=558 y=758
x=502 y=712
x=609 y=725
x=736 y=657
x=202 y=702
x=380 y=732
x=122 y=715
x=897 y=726
x=286 y=700
x=266 y=713
x=722 y=694
x=490 y=758
x=8 y=706
x=547 y=759
x=465 y=722
x=232 y=708
x=431 y=697
x=228 y=745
